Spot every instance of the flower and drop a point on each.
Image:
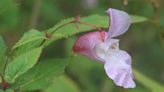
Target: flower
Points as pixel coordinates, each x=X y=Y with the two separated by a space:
x=102 y=47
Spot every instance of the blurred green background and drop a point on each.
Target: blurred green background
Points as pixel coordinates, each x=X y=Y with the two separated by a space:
x=143 y=41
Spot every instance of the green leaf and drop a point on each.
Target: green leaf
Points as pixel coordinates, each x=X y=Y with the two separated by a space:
x=9 y=13
x=9 y=90
x=30 y=36
x=96 y=20
x=63 y=84
x=148 y=82
x=29 y=41
x=70 y=29
x=138 y=19
x=21 y=64
x=3 y=49
x=41 y=75
x=27 y=47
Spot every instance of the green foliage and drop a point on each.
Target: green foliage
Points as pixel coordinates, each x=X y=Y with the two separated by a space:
x=59 y=31
x=63 y=84
x=30 y=36
x=9 y=90
x=8 y=12
x=64 y=29
x=29 y=41
x=25 y=48
x=20 y=72
x=3 y=49
x=21 y=64
x=138 y=19
x=148 y=82
x=41 y=75
x=25 y=74
x=97 y=20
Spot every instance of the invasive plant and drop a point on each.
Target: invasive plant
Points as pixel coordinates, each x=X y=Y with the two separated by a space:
x=22 y=70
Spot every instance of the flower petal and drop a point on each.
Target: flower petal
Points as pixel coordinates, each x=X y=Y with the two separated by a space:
x=86 y=43
x=102 y=48
x=118 y=68
x=119 y=22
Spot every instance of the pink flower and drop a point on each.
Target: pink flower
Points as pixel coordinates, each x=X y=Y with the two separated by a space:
x=101 y=46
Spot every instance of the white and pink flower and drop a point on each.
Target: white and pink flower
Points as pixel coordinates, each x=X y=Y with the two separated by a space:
x=101 y=46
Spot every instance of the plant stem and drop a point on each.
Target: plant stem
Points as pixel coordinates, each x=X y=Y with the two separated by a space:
x=35 y=13
x=76 y=20
x=83 y=23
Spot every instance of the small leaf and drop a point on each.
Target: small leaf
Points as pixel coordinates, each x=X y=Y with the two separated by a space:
x=97 y=20
x=147 y=82
x=27 y=47
x=41 y=75
x=30 y=36
x=3 y=49
x=138 y=19
x=72 y=29
x=21 y=64
x=63 y=84
x=92 y=22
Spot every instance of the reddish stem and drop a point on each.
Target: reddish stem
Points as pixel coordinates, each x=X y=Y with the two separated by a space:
x=98 y=28
x=5 y=85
